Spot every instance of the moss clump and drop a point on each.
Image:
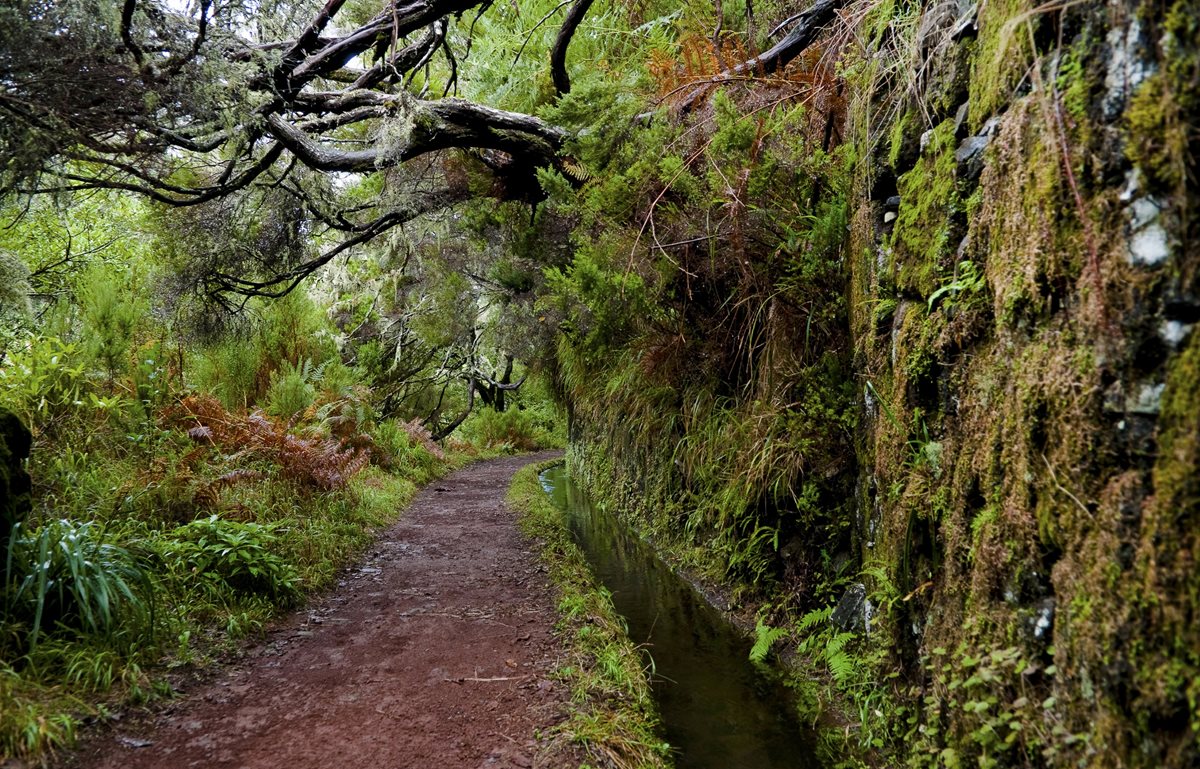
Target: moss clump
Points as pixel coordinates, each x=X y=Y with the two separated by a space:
x=1002 y=58
x=929 y=200
x=1167 y=657
x=1165 y=112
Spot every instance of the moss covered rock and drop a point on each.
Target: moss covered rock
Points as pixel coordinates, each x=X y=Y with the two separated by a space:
x=15 y=443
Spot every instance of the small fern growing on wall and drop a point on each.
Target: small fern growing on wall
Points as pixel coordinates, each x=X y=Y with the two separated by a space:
x=765 y=637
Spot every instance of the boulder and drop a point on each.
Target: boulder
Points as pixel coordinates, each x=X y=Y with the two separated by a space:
x=15 y=486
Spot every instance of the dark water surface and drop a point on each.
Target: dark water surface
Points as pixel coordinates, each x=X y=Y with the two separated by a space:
x=719 y=711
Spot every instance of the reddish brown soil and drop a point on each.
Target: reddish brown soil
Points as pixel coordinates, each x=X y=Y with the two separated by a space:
x=436 y=651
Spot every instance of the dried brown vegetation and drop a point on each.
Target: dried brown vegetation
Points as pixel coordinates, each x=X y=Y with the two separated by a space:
x=322 y=463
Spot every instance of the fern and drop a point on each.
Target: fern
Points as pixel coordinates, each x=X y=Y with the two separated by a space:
x=841 y=667
x=837 y=643
x=813 y=619
x=765 y=638
x=325 y=464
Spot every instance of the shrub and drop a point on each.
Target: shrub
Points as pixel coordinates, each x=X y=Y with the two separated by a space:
x=406 y=444
x=230 y=370
x=231 y=556
x=510 y=430
x=325 y=464
x=110 y=316
x=291 y=391
x=66 y=574
x=44 y=383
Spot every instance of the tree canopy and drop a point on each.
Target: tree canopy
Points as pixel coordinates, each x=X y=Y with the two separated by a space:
x=277 y=106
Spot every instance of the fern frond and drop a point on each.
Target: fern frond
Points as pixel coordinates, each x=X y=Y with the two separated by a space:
x=841 y=667
x=765 y=638
x=813 y=619
x=577 y=171
x=837 y=643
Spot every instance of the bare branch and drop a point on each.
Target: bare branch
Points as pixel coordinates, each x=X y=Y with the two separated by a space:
x=436 y=125
x=809 y=25
x=127 y=33
x=558 y=54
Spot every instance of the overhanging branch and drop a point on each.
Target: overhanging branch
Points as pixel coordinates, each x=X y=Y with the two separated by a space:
x=558 y=54
x=808 y=26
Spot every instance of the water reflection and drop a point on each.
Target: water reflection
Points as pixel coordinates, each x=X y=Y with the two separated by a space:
x=719 y=712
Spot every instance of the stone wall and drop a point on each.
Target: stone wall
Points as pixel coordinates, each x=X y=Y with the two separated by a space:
x=1024 y=285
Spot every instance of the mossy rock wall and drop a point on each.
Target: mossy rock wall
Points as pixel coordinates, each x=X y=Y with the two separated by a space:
x=1032 y=414
x=1021 y=290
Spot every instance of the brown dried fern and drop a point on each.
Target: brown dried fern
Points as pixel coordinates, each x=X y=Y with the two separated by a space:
x=322 y=463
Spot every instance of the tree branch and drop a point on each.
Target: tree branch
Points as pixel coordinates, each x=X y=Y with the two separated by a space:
x=558 y=54
x=809 y=25
x=462 y=417
x=435 y=125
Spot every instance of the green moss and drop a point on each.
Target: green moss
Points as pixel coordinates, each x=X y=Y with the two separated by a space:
x=1163 y=114
x=900 y=136
x=1169 y=665
x=1003 y=56
x=1176 y=482
x=928 y=199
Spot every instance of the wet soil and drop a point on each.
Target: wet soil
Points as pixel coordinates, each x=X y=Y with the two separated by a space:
x=437 y=650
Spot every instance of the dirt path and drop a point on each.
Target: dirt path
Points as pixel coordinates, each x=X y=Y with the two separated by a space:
x=434 y=652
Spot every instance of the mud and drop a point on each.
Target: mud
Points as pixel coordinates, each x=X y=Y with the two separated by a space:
x=437 y=650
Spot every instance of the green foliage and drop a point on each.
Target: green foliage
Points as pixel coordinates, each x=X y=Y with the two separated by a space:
x=285 y=344
x=15 y=307
x=110 y=313
x=229 y=370
x=233 y=556
x=598 y=301
x=65 y=573
x=405 y=445
x=515 y=429
x=292 y=389
x=993 y=694
x=44 y=384
x=765 y=637
x=32 y=722
x=929 y=195
x=967 y=282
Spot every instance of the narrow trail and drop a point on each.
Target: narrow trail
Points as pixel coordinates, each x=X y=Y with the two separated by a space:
x=435 y=651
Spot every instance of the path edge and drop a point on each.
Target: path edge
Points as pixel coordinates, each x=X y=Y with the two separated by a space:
x=613 y=716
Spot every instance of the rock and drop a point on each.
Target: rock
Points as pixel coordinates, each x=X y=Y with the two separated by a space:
x=15 y=487
x=134 y=742
x=960 y=120
x=1128 y=66
x=969 y=156
x=1174 y=332
x=1133 y=183
x=1148 y=246
x=853 y=611
x=926 y=138
x=1143 y=211
x=1043 y=620
x=1147 y=400
x=1144 y=399
x=965 y=27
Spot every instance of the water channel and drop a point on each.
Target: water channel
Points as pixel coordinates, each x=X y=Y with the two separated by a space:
x=719 y=711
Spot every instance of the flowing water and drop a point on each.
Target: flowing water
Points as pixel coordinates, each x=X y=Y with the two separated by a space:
x=718 y=710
